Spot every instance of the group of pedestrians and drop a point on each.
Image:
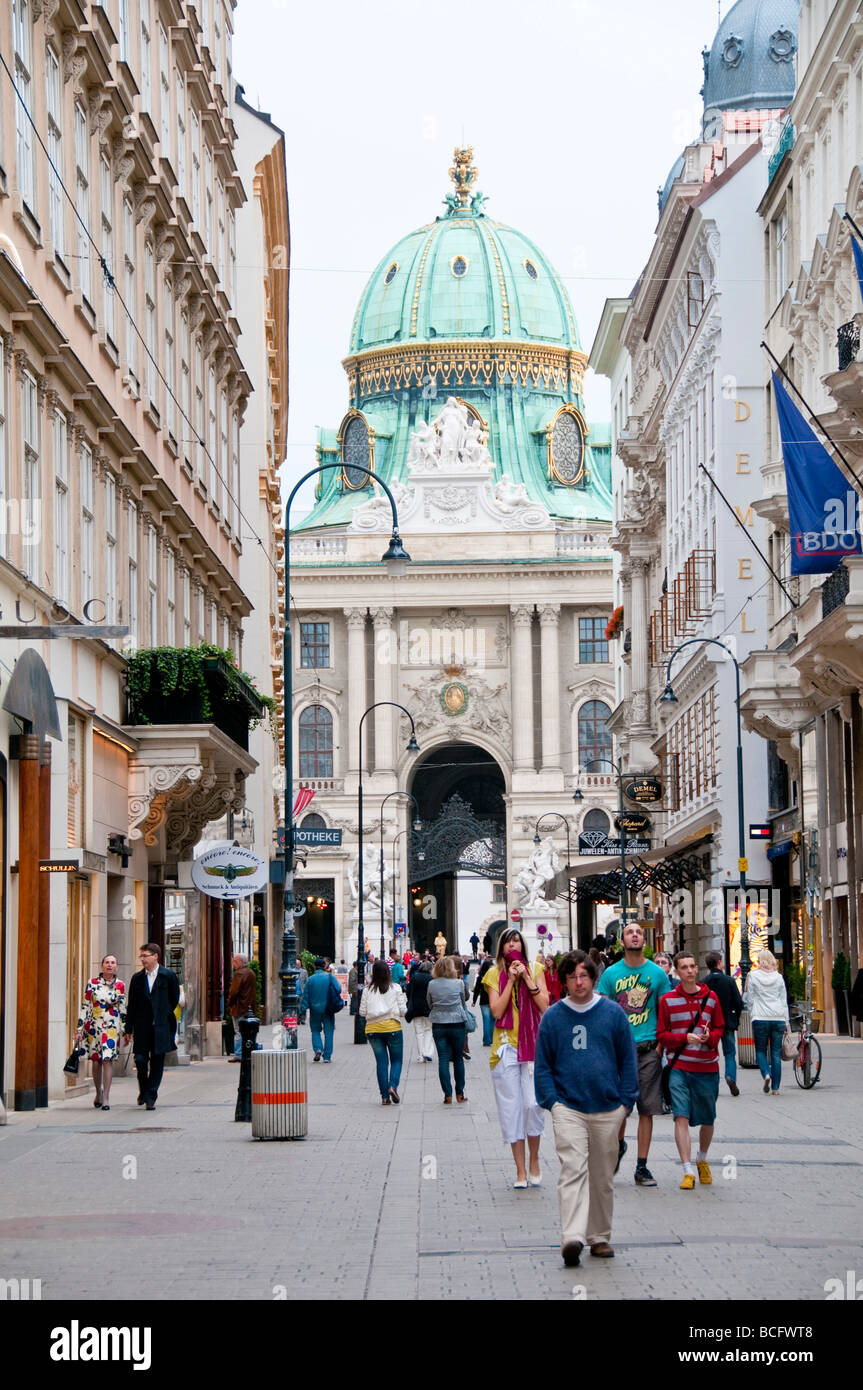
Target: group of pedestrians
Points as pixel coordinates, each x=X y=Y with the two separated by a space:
x=145 y=1015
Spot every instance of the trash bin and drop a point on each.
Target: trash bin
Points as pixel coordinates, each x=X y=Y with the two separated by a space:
x=746 y=1041
x=279 y=1098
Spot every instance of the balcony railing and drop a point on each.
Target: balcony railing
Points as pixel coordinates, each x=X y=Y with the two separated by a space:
x=834 y=590
x=848 y=344
x=783 y=145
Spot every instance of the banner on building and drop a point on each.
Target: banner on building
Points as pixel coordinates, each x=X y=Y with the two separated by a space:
x=823 y=508
x=858 y=261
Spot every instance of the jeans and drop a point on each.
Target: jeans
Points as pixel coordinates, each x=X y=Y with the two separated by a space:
x=329 y=1025
x=449 y=1041
x=389 y=1050
x=487 y=1024
x=730 y=1054
x=768 y=1033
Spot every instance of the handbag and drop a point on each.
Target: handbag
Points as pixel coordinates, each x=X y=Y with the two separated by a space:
x=665 y=1079
x=73 y=1061
x=469 y=1019
x=789 y=1046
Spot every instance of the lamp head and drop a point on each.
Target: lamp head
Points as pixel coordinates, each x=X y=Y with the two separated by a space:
x=668 y=696
x=395 y=557
x=536 y=839
x=578 y=794
x=421 y=854
x=416 y=825
x=413 y=746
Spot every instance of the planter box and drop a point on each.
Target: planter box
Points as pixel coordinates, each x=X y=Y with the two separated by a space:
x=233 y=702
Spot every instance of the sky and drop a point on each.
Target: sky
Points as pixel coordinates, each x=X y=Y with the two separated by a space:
x=576 y=110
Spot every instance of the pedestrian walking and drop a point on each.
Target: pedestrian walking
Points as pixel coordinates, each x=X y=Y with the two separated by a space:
x=462 y=965
x=586 y=1075
x=474 y=945
x=418 y=1009
x=302 y=980
x=637 y=985
x=153 y=995
x=383 y=1007
x=552 y=983
x=100 y=1026
x=518 y=998
x=446 y=1009
x=767 y=1002
x=480 y=996
x=731 y=1004
x=242 y=999
x=323 y=999
x=690 y=1029
x=397 y=971
x=664 y=963
x=354 y=985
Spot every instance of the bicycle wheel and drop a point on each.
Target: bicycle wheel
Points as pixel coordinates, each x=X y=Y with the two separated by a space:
x=807 y=1063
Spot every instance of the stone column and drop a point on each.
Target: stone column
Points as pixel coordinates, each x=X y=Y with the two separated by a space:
x=549 y=619
x=521 y=675
x=640 y=718
x=386 y=718
x=356 y=682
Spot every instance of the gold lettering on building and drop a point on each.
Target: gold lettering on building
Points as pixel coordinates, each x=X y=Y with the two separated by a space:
x=744 y=569
x=743 y=463
x=743 y=627
x=745 y=518
x=738 y=407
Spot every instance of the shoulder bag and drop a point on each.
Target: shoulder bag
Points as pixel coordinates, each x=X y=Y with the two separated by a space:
x=665 y=1080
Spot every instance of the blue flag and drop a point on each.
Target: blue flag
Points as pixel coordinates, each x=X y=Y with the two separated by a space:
x=823 y=510
x=858 y=260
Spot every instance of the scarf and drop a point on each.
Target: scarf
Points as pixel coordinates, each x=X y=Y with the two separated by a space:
x=529 y=1015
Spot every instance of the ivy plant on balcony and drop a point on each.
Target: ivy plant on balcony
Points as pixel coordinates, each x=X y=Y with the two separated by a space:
x=192 y=684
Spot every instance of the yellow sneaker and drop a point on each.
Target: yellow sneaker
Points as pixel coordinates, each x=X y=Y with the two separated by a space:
x=704 y=1176
x=688 y=1182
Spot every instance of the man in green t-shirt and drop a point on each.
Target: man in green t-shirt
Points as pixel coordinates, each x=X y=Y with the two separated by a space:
x=638 y=985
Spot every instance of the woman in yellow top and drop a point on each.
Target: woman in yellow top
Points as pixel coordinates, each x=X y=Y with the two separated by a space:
x=518 y=998
x=383 y=1006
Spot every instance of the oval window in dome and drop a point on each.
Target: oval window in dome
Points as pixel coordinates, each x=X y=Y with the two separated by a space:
x=391 y=273
x=458 y=266
x=531 y=270
x=567 y=448
x=355 y=453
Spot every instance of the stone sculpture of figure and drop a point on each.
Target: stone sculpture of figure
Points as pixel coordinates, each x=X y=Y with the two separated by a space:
x=452 y=428
x=538 y=870
x=371 y=878
x=474 y=452
x=509 y=496
x=423 y=448
x=381 y=503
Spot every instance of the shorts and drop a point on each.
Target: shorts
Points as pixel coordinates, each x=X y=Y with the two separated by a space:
x=693 y=1095
x=649 y=1083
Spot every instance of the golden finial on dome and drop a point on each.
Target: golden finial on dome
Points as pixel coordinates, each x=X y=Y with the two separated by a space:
x=463 y=174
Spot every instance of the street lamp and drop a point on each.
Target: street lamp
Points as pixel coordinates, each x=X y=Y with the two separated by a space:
x=420 y=857
x=412 y=747
x=577 y=796
x=536 y=841
x=416 y=826
x=668 y=697
x=395 y=558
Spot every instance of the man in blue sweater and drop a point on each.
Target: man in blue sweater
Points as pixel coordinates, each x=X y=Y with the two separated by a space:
x=322 y=997
x=586 y=1074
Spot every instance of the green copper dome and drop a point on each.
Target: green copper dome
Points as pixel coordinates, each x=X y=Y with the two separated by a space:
x=464 y=276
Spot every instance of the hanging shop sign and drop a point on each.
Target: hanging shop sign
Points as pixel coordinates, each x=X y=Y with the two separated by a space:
x=644 y=789
x=229 y=873
x=633 y=822
x=592 y=844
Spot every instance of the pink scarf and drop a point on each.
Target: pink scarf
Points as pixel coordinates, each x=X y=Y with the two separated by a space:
x=529 y=1015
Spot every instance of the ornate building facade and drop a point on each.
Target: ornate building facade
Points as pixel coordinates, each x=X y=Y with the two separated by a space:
x=464 y=395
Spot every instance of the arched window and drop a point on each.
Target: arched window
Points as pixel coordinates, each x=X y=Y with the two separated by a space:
x=594 y=739
x=316 y=742
x=313 y=822
x=596 y=820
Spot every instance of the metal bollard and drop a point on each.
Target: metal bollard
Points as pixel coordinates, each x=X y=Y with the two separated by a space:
x=359 y=1023
x=248 y=1032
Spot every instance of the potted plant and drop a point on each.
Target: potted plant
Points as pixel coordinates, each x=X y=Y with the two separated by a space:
x=194 y=685
x=840 y=979
x=614 y=624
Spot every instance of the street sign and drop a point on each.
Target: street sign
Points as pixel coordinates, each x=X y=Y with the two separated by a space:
x=760 y=832
x=515 y=915
x=633 y=822
x=643 y=789
x=742 y=866
x=593 y=844
x=229 y=872
x=316 y=837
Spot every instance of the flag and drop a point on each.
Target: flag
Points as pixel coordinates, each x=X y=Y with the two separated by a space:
x=858 y=261
x=823 y=508
x=304 y=796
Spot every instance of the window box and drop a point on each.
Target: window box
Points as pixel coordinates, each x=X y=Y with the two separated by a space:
x=194 y=685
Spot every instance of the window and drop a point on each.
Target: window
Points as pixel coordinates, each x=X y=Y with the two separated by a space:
x=187 y=609
x=171 y=594
x=208 y=202
x=694 y=297
x=4 y=479
x=54 y=109
x=592 y=642
x=314 y=644
x=110 y=549
x=211 y=427
x=82 y=197
x=220 y=233
x=146 y=57
x=316 y=742
x=153 y=584
x=201 y=629
x=597 y=820
x=594 y=739
x=313 y=822
x=780 y=232
x=165 y=93
x=217 y=41
x=150 y=318
x=168 y=320
x=61 y=508
x=75 y=796
x=185 y=381
x=235 y=474
x=498 y=892
x=223 y=447
x=87 y=528
x=199 y=406
x=180 y=90
x=123 y=29
x=26 y=154
x=31 y=500
x=107 y=189
x=129 y=286
x=132 y=619
x=232 y=236
x=196 y=171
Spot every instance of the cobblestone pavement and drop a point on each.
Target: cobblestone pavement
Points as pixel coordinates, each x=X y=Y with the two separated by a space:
x=416 y=1200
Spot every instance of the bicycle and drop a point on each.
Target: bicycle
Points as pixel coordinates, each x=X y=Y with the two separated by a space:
x=807 y=1059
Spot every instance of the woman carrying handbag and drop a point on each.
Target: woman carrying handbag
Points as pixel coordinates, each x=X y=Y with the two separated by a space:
x=101 y=1025
x=383 y=1006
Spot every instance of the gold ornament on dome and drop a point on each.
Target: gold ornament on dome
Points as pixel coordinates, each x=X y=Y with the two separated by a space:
x=463 y=173
x=466 y=363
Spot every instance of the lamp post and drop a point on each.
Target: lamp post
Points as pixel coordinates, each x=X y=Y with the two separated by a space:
x=416 y=826
x=577 y=796
x=412 y=747
x=668 y=697
x=395 y=558
x=536 y=841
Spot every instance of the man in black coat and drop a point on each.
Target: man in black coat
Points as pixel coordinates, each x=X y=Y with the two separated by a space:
x=731 y=1004
x=154 y=994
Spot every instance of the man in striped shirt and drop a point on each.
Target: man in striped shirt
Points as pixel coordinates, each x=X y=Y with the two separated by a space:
x=690 y=1029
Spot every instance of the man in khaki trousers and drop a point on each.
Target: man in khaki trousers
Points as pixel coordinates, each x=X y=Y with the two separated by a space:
x=586 y=1074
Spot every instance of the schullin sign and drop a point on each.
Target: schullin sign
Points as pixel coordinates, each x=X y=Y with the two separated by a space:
x=229 y=873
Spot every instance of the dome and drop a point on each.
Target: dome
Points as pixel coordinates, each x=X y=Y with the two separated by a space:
x=751 y=61
x=464 y=276
x=673 y=175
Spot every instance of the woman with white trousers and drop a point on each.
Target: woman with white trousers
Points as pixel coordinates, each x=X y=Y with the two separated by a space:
x=518 y=998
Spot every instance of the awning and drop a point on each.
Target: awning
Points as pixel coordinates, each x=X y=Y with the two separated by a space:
x=665 y=869
x=777 y=851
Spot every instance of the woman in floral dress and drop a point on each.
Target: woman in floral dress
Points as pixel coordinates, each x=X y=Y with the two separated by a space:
x=101 y=1026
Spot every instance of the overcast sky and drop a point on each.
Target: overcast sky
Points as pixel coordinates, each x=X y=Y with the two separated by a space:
x=576 y=110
